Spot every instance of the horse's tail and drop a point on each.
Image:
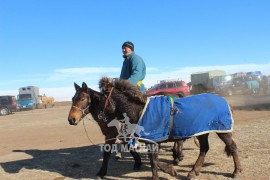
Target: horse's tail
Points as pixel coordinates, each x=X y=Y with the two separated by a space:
x=231 y=108
x=196 y=141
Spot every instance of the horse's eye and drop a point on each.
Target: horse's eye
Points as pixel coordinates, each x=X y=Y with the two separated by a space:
x=82 y=99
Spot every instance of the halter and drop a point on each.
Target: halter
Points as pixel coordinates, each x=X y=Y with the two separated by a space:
x=82 y=110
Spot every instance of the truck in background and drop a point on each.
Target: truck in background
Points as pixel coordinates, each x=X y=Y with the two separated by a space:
x=28 y=97
x=239 y=83
x=202 y=82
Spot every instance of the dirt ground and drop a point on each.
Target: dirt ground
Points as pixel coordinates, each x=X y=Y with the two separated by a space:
x=40 y=144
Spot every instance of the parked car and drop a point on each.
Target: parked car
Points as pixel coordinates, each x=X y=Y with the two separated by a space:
x=173 y=87
x=8 y=104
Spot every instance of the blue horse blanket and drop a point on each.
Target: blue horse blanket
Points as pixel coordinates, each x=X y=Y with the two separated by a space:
x=198 y=114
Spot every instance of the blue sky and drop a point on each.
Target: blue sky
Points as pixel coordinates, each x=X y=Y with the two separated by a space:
x=54 y=43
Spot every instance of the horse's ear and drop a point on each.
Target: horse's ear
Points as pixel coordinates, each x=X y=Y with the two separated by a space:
x=77 y=87
x=84 y=86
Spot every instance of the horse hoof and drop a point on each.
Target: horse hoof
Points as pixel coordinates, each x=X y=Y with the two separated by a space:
x=237 y=172
x=181 y=158
x=99 y=177
x=176 y=162
x=116 y=158
x=191 y=175
x=137 y=167
x=172 y=171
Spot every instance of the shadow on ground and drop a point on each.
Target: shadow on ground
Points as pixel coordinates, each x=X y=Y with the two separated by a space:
x=79 y=162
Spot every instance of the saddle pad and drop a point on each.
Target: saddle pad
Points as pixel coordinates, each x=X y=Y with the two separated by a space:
x=198 y=114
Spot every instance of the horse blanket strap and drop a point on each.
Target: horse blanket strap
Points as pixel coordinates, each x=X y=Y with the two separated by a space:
x=171 y=115
x=198 y=114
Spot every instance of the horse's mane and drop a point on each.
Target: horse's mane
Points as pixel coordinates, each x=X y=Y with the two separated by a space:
x=124 y=86
x=98 y=101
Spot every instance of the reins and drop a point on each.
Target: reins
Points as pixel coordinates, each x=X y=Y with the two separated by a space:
x=107 y=100
x=101 y=115
x=82 y=118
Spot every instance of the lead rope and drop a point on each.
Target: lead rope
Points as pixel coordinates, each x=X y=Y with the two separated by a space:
x=87 y=135
x=106 y=103
x=83 y=112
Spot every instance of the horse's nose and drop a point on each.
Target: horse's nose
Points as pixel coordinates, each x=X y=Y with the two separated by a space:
x=71 y=121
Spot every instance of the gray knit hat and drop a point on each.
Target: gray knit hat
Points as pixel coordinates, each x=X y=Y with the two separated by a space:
x=128 y=44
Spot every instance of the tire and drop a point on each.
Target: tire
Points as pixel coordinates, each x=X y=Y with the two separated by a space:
x=180 y=94
x=4 y=111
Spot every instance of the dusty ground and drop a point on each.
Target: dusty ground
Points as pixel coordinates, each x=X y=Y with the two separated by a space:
x=40 y=144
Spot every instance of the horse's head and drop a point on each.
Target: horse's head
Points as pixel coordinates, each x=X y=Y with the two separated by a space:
x=87 y=101
x=80 y=104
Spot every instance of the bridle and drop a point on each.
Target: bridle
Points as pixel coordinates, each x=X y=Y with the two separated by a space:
x=82 y=110
x=83 y=115
x=101 y=115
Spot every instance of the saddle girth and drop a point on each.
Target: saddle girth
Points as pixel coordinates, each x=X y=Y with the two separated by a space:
x=172 y=112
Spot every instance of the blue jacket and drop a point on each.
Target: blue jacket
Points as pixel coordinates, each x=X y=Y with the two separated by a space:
x=134 y=70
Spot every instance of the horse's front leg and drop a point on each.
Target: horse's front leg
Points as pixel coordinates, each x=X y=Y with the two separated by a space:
x=137 y=159
x=107 y=149
x=103 y=170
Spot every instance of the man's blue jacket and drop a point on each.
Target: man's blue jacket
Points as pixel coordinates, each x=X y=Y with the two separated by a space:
x=134 y=70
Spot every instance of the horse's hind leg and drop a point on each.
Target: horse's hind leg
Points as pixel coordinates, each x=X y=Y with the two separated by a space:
x=178 y=152
x=204 y=147
x=153 y=156
x=155 y=164
x=231 y=150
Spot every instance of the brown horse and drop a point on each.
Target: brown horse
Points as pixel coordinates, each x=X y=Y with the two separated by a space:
x=131 y=101
x=103 y=111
